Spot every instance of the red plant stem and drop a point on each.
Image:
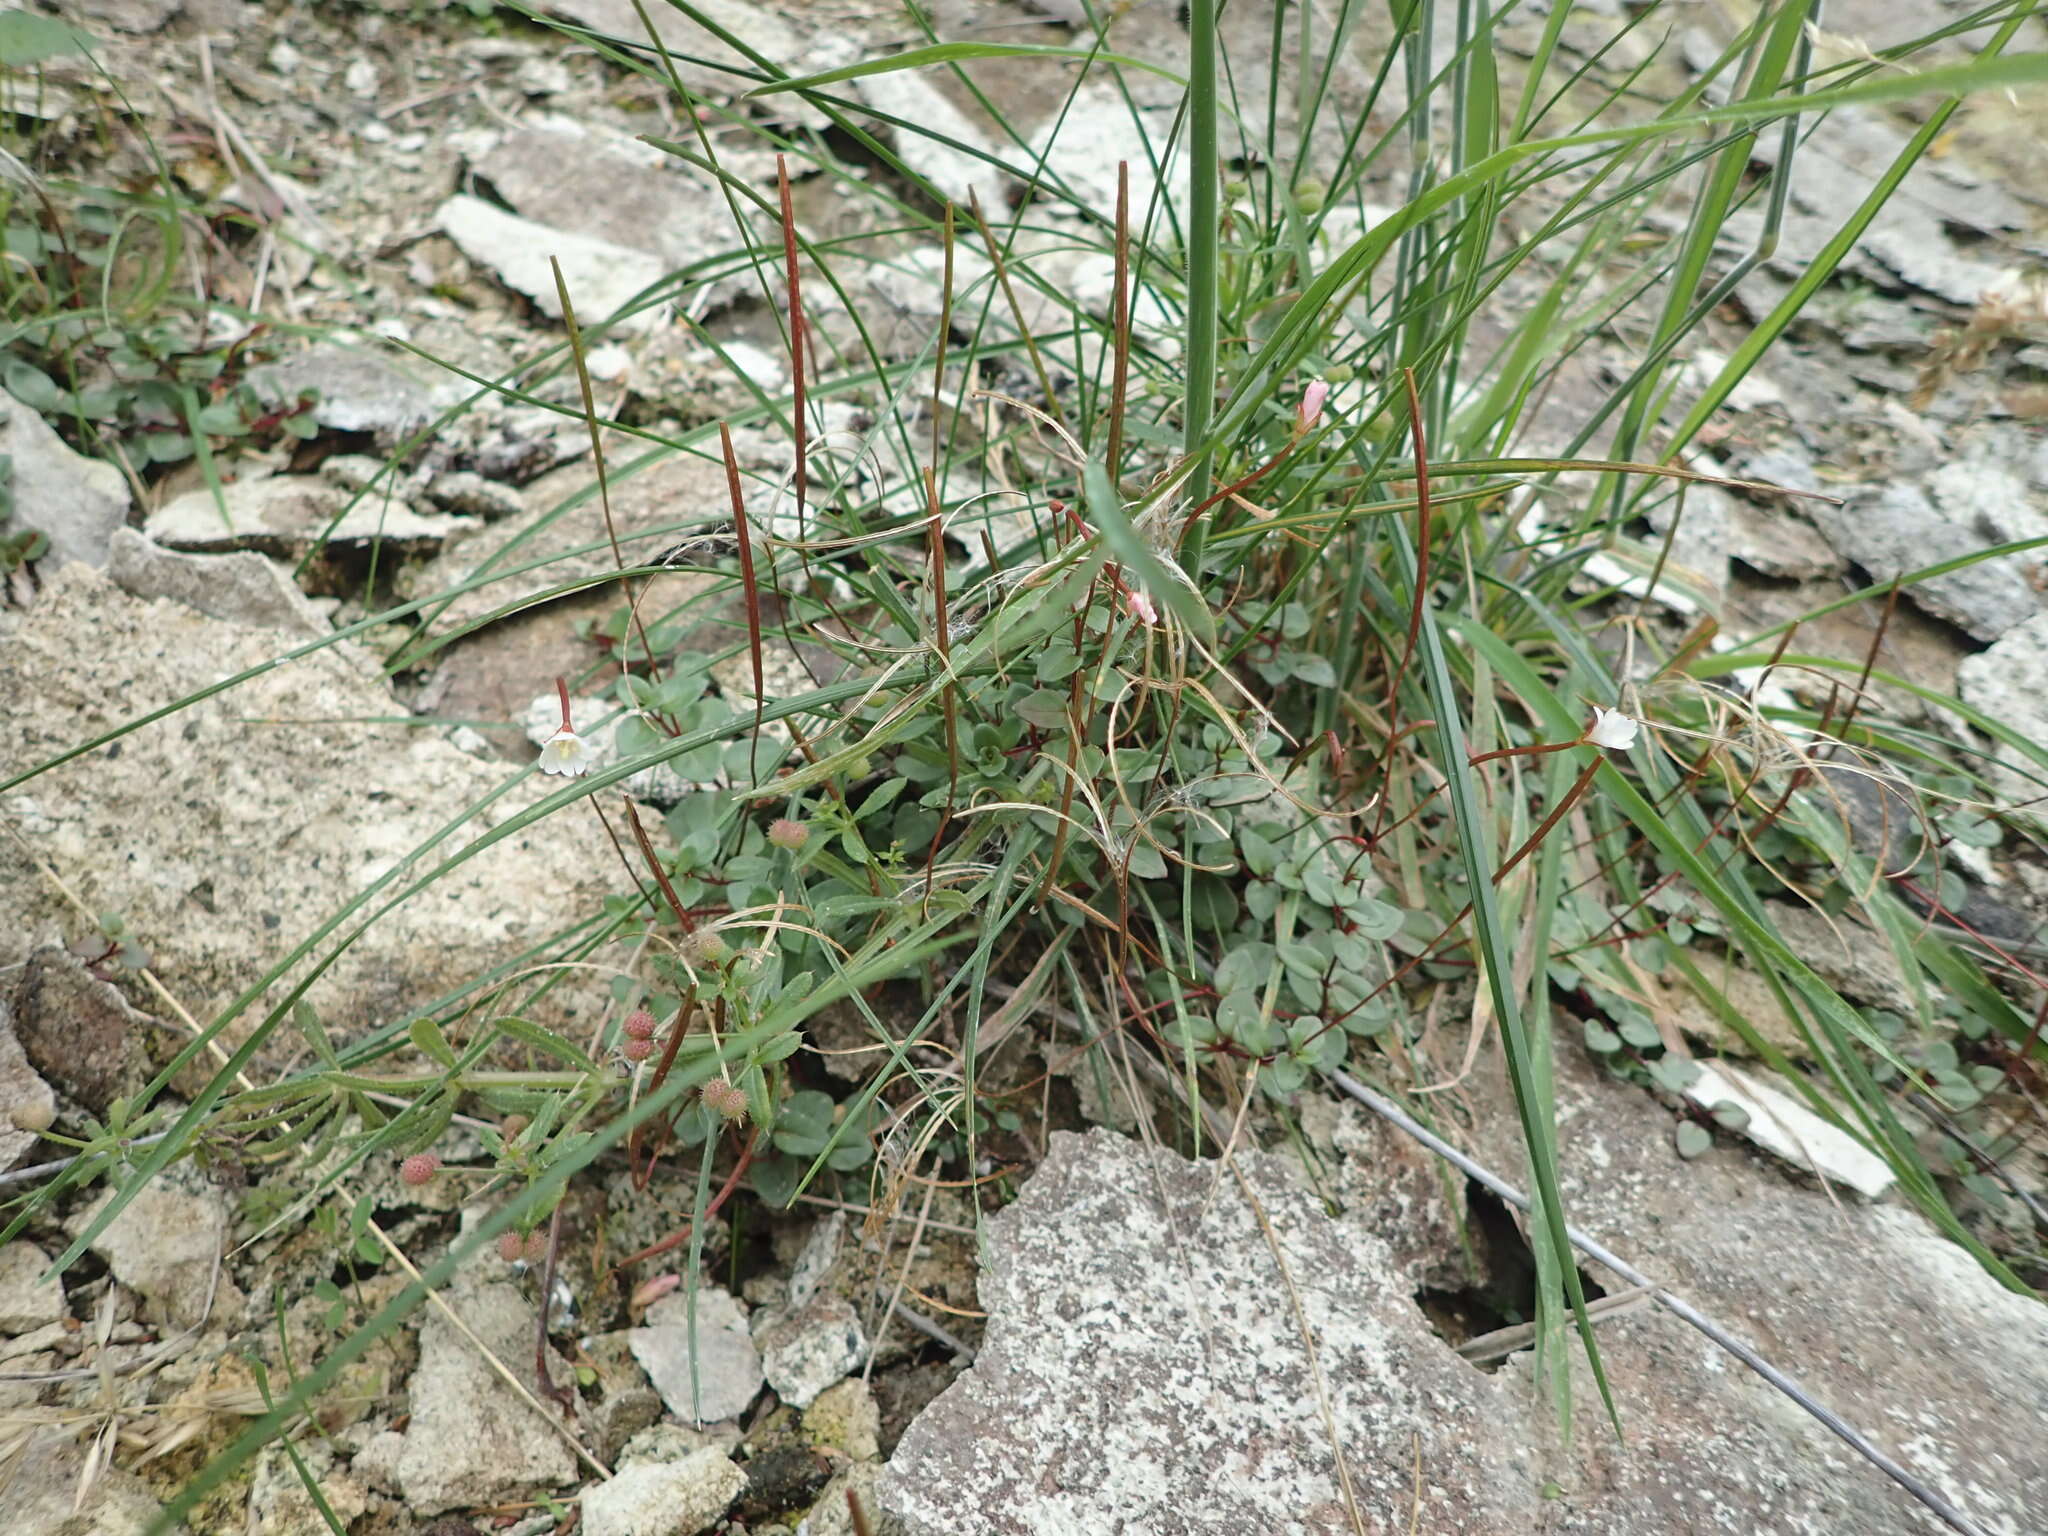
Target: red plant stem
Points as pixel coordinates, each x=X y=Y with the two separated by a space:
x=561 y=1396
x=1529 y=845
x=661 y=1070
x=945 y=335
x=1235 y=486
x=562 y=693
x=1531 y=751
x=654 y=868
x=682 y=1235
x=1121 y=318
x=747 y=578
x=1935 y=905
x=796 y=333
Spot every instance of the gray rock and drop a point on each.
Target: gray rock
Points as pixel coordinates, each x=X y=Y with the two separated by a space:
x=539 y=76
x=242 y=588
x=1745 y=990
x=288 y=514
x=258 y=832
x=1988 y=492
x=655 y=503
x=44 y=1485
x=279 y=1504
x=22 y=1092
x=1925 y=257
x=1787 y=465
x=830 y=1516
x=169 y=1245
x=27 y=1300
x=2009 y=683
x=674 y=1498
x=1153 y=1376
x=820 y=1252
x=605 y=186
x=1868 y=1307
x=1703 y=541
x=623 y=1403
x=129 y=15
x=806 y=1349
x=79 y=1031
x=77 y=501
x=510 y=443
x=377 y=1462
x=468 y=493
x=358 y=391
x=1849 y=957
x=727 y=1366
x=669 y=1441
x=1777 y=541
x=847 y=1418
x=802 y=40
x=601 y=276
x=1897 y=529
x=472 y=1439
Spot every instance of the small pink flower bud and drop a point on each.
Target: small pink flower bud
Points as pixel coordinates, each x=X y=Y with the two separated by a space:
x=637 y=1049
x=1142 y=608
x=512 y=1247
x=784 y=833
x=419 y=1169
x=725 y=1099
x=536 y=1248
x=1309 y=413
x=639 y=1025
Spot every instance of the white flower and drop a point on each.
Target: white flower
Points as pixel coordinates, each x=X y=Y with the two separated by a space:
x=566 y=753
x=1611 y=728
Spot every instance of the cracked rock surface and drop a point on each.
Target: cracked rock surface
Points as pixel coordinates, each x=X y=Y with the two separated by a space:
x=1155 y=1377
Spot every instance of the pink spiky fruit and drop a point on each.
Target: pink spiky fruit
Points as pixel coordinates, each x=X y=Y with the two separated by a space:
x=725 y=1099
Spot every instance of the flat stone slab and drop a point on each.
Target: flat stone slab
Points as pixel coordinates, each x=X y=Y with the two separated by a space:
x=706 y=1372
x=601 y=277
x=1896 y=529
x=1144 y=1370
x=237 y=836
x=288 y=514
x=1867 y=1307
x=77 y=501
x=472 y=1439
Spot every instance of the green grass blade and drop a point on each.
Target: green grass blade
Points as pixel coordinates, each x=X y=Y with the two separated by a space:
x=954 y=53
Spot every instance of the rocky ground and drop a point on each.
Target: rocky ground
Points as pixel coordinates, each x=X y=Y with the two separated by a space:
x=417 y=163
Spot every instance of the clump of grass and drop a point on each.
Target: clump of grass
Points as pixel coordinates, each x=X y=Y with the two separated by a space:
x=119 y=319
x=1164 y=647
